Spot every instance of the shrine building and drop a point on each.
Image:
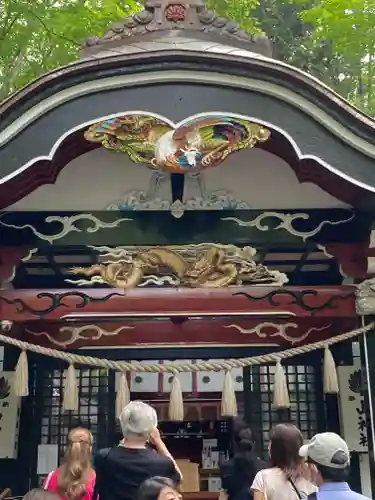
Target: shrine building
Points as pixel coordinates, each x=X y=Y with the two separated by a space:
x=172 y=202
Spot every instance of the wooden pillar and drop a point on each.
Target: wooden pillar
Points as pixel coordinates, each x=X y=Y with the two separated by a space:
x=368 y=354
x=365 y=305
x=253 y=403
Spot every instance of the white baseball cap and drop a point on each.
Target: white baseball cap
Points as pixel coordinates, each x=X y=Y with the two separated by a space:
x=327 y=449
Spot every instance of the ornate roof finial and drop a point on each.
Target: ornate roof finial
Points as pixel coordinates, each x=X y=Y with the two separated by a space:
x=175 y=11
x=177 y=15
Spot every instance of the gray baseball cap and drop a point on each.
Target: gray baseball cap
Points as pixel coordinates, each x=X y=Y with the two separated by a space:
x=327 y=449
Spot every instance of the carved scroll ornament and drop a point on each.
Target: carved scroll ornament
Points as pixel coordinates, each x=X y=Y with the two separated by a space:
x=271 y=333
x=71 y=334
x=263 y=330
x=68 y=224
x=365 y=298
x=205 y=265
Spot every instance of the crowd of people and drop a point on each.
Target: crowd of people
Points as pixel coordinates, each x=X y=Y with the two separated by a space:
x=140 y=467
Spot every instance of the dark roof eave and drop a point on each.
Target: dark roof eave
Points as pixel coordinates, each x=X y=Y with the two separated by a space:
x=258 y=67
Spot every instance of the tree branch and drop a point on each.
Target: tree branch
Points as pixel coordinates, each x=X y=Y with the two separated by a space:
x=52 y=33
x=7 y=27
x=9 y=79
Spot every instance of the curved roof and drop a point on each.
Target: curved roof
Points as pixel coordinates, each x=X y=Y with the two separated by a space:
x=168 y=24
x=213 y=65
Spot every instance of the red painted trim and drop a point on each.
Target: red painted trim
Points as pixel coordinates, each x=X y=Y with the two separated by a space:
x=194 y=332
x=44 y=171
x=47 y=171
x=325 y=301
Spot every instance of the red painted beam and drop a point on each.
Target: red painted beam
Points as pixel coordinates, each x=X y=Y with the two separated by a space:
x=236 y=332
x=88 y=304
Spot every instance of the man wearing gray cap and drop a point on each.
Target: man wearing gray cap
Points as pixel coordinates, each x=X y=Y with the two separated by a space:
x=329 y=455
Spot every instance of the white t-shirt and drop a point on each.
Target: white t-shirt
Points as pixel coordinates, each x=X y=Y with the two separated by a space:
x=274 y=485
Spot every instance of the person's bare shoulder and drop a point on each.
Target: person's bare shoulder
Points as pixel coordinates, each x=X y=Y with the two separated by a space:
x=40 y=494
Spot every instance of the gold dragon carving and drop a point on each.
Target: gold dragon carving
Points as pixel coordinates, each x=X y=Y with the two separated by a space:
x=194 y=266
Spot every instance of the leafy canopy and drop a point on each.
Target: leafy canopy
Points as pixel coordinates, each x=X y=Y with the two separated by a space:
x=348 y=26
x=39 y=35
x=332 y=39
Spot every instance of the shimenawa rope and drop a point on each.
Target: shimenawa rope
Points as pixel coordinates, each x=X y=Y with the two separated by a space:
x=281 y=396
x=125 y=366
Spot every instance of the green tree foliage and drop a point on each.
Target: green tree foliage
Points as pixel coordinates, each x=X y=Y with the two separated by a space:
x=295 y=26
x=39 y=35
x=241 y=11
x=348 y=26
x=332 y=39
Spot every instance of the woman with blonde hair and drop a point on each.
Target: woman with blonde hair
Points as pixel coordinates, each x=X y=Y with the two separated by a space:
x=285 y=479
x=75 y=478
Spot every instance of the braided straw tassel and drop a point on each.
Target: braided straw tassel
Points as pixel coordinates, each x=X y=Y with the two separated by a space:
x=280 y=389
x=228 y=398
x=70 y=399
x=330 y=383
x=123 y=394
x=176 y=403
x=21 y=376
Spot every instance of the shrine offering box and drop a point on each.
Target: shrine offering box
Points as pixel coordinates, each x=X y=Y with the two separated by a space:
x=190 y=472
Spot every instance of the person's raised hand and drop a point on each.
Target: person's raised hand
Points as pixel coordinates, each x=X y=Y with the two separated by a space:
x=155 y=437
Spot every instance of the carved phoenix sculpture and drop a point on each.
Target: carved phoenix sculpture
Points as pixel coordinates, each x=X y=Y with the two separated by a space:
x=194 y=145
x=204 y=265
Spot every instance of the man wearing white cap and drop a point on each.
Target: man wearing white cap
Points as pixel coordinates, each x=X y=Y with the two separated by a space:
x=329 y=455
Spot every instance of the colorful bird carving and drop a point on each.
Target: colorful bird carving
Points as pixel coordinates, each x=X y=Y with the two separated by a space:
x=195 y=145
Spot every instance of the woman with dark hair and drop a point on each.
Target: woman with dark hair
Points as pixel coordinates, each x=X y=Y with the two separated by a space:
x=285 y=479
x=158 y=488
x=237 y=474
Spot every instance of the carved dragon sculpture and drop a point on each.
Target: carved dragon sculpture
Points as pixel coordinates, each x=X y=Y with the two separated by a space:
x=214 y=266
